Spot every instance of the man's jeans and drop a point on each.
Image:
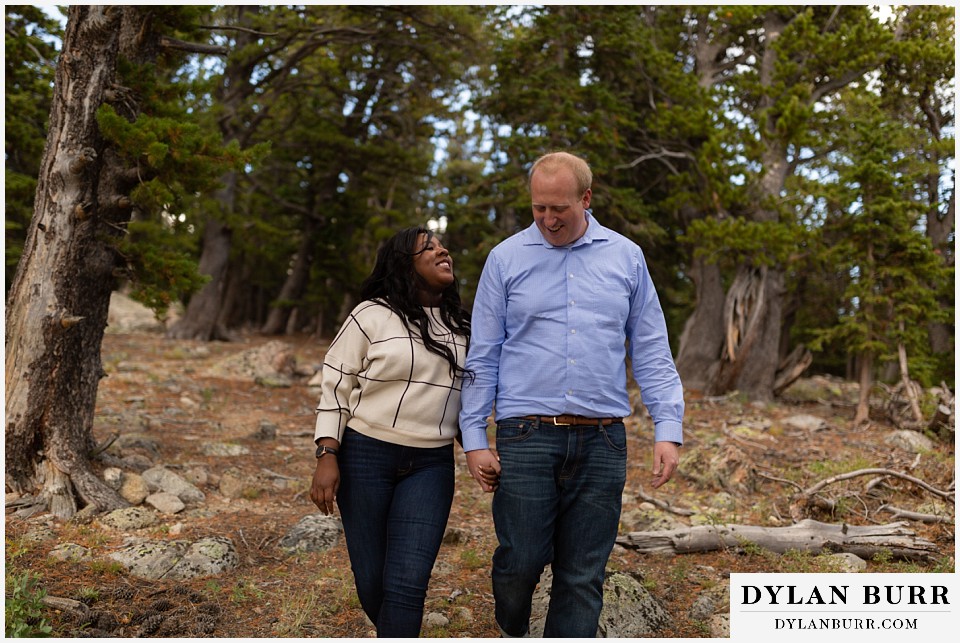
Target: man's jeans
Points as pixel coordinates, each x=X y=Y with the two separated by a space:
x=394 y=502
x=558 y=502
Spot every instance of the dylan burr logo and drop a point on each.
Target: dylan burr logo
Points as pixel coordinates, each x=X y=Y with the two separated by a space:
x=868 y=605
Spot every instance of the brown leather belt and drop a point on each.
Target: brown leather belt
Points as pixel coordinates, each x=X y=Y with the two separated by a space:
x=572 y=420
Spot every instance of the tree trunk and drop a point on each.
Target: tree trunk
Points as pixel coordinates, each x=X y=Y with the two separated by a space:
x=862 y=415
x=294 y=285
x=702 y=340
x=806 y=536
x=905 y=378
x=58 y=302
x=752 y=344
x=200 y=319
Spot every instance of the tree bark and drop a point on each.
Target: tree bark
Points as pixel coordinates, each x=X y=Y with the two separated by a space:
x=296 y=282
x=806 y=536
x=58 y=302
x=702 y=340
x=201 y=317
x=862 y=416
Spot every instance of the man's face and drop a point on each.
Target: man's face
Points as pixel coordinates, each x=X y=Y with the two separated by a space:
x=558 y=208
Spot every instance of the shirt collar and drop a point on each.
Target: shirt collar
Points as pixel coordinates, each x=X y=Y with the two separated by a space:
x=594 y=232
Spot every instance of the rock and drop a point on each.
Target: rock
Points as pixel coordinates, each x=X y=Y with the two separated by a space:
x=909 y=441
x=113 y=477
x=266 y=431
x=134 y=488
x=463 y=614
x=197 y=476
x=137 y=462
x=275 y=358
x=720 y=626
x=129 y=518
x=207 y=557
x=435 y=619
x=165 y=502
x=847 y=562
x=805 y=422
x=70 y=552
x=233 y=483
x=150 y=560
x=39 y=534
x=629 y=610
x=220 y=449
x=126 y=315
x=714 y=600
x=647 y=518
x=314 y=532
x=454 y=536
x=137 y=443
x=178 y=559
x=160 y=478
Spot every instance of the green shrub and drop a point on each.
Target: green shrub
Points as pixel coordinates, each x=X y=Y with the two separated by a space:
x=23 y=607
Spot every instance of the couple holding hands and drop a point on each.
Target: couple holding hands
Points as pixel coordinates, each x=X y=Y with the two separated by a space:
x=559 y=307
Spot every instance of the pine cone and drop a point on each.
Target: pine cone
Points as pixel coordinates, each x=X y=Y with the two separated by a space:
x=140 y=617
x=210 y=608
x=205 y=624
x=151 y=624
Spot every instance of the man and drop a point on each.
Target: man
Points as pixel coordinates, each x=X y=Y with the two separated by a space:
x=555 y=305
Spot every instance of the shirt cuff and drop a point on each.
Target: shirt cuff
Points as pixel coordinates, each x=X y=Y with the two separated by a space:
x=668 y=431
x=475 y=439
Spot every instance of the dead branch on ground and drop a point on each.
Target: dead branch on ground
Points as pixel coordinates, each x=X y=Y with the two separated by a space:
x=806 y=536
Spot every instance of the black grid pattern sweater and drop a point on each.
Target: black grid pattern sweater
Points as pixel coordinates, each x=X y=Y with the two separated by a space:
x=380 y=379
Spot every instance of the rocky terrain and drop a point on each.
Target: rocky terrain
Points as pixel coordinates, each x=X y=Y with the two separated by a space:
x=211 y=444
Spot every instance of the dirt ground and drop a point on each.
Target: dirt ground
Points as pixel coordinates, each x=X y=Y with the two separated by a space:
x=738 y=458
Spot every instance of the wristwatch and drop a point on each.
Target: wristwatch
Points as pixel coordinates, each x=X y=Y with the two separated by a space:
x=324 y=450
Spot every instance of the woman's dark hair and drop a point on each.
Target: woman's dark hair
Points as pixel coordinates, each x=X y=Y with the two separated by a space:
x=395 y=283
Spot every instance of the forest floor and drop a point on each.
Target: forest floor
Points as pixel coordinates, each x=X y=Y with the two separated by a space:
x=729 y=442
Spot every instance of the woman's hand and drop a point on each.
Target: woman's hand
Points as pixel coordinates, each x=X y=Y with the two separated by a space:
x=484 y=465
x=326 y=481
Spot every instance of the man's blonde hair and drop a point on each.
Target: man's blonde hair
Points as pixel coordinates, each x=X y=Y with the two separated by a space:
x=554 y=161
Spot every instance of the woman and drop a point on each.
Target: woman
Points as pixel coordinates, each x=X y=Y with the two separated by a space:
x=386 y=423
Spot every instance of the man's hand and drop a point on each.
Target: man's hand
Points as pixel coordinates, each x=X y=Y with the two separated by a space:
x=666 y=459
x=484 y=465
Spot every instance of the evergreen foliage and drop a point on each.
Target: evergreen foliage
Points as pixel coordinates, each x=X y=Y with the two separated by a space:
x=29 y=66
x=815 y=140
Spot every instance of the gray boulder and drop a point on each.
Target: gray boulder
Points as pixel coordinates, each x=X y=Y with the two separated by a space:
x=314 y=532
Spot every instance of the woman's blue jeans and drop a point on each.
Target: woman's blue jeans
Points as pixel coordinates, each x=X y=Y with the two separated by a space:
x=558 y=503
x=394 y=502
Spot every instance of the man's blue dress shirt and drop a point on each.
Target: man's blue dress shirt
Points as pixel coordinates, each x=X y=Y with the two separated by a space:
x=548 y=333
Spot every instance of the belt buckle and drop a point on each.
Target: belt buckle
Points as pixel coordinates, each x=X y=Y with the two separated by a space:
x=555 y=423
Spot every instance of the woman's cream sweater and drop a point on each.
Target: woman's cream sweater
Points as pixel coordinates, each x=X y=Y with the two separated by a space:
x=380 y=379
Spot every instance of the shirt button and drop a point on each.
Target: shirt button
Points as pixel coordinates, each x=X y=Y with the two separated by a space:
x=570 y=392
x=572 y=302
x=573 y=361
x=570 y=276
x=573 y=331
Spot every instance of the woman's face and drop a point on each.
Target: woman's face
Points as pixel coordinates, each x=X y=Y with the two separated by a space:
x=433 y=264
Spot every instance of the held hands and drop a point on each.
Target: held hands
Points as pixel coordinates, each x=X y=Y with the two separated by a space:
x=326 y=481
x=666 y=458
x=484 y=465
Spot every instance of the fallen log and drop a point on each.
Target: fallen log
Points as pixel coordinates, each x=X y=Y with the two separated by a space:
x=806 y=536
